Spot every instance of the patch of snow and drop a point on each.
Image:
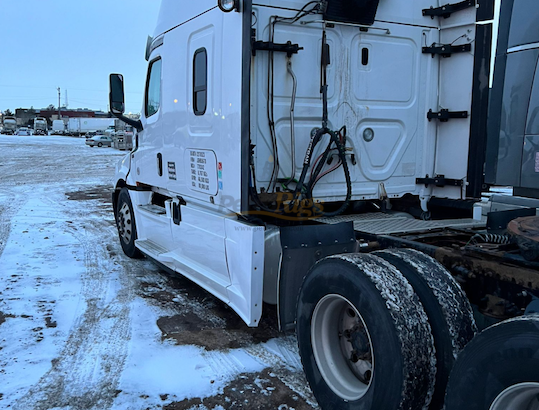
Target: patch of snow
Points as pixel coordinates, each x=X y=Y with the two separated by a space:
x=160 y=367
x=39 y=280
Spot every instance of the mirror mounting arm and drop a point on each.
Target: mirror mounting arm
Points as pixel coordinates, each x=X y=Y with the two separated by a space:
x=137 y=124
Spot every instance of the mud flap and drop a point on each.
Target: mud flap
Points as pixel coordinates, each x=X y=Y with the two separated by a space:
x=302 y=247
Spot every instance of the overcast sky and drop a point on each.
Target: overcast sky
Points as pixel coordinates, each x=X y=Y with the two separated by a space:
x=74 y=45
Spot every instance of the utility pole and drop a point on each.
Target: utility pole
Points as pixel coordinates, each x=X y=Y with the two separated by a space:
x=59 y=114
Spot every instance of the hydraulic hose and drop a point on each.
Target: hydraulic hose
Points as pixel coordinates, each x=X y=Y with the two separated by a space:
x=342 y=155
x=315 y=139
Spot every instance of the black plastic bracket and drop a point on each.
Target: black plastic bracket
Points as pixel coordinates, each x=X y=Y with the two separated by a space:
x=446 y=50
x=446 y=115
x=287 y=48
x=177 y=211
x=448 y=9
x=440 y=181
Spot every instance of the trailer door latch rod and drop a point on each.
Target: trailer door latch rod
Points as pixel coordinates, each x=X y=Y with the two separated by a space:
x=448 y=9
x=445 y=50
x=287 y=48
x=445 y=115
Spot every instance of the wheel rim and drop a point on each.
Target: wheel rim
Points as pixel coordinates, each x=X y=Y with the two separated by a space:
x=125 y=225
x=522 y=396
x=342 y=347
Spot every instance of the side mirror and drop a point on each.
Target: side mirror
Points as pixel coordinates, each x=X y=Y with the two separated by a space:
x=117 y=101
x=116 y=95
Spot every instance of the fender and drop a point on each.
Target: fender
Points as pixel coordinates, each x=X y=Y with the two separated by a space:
x=302 y=247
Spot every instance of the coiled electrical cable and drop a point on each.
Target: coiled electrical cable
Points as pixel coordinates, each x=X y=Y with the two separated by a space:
x=490 y=238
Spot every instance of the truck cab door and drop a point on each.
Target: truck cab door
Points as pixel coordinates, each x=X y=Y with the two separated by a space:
x=202 y=148
x=147 y=166
x=148 y=159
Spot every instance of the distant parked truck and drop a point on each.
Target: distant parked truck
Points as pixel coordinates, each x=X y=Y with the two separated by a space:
x=10 y=125
x=123 y=140
x=58 y=127
x=40 y=126
x=110 y=131
x=128 y=140
x=78 y=126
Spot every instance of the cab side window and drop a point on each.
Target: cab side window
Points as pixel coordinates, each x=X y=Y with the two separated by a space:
x=200 y=81
x=153 y=88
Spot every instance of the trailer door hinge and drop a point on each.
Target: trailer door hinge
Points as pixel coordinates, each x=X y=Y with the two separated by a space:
x=439 y=181
x=445 y=115
x=287 y=48
x=446 y=50
x=448 y=9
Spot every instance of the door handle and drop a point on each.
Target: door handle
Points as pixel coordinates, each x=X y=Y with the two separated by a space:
x=160 y=164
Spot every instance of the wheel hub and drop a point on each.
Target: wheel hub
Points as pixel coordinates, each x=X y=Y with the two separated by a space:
x=522 y=396
x=356 y=346
x=124 y=224
x=342 y=347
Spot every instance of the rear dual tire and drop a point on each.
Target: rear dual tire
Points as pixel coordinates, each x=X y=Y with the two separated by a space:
x=447 y=307
x=412 y=314
x=363 y=336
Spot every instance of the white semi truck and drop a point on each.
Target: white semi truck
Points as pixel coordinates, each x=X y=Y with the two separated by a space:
x=9 y=126
x=329 y=157
x=40 y=126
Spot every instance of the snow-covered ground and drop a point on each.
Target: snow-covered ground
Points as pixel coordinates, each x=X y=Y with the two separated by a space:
x=84 y=327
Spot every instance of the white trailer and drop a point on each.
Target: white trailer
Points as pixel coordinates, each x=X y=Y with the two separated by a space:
x=73 y=126
x=95 y=124
x=78 y=126
x=286 y=147
x=58 y=127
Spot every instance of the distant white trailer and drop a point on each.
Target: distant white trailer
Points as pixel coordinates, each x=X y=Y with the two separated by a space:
x=95 y=124
x=78 y=126
x=58 y=127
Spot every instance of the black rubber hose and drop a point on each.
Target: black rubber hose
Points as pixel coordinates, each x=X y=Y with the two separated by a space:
x=342 y=155
x=318 y=169
x=306 y=165
x=315 y=139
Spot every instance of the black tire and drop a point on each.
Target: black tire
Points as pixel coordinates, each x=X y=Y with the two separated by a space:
x=398 y=336
x=125 y=222
x=502 y=357
x=447 y=307
x=99 y=144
